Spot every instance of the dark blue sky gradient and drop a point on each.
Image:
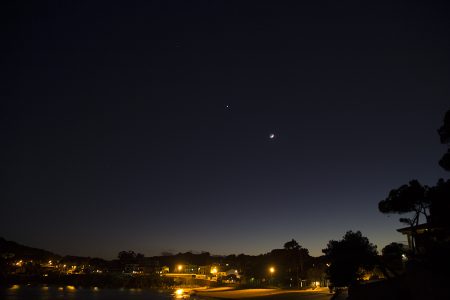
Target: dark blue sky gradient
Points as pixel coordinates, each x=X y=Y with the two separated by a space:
x=117 y=134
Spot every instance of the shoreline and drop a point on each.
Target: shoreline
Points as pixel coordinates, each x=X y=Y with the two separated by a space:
x=232 y=293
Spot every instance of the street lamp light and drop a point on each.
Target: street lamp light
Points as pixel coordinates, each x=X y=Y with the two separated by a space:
x=271 y=271
x=180 y=267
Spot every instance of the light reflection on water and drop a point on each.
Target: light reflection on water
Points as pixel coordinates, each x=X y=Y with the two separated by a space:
x=44 y=292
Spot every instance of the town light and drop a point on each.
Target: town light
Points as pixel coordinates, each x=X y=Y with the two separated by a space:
x=271 y=271
x=179 y=268
x=214 y=270
x=179 y=292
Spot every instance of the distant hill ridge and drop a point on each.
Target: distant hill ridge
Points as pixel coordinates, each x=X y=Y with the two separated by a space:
x=8 y=248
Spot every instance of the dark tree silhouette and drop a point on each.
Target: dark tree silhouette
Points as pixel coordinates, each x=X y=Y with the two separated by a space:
x=292 y=245
x=431 y=202
x=393 y=250
x=130 y=257
x=348 y=257
x=392 y=257
x=408 y=198
x=439 y=197
x=126 y=256
x=296 y=254
x=444 y=133
x=440 y=194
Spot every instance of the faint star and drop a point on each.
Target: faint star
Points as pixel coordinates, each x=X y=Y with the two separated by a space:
x=271 y=136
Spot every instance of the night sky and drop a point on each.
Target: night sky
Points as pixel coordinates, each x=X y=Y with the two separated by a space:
x=147 y=126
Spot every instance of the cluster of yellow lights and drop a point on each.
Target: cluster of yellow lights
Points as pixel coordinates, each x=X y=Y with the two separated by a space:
x=214 y=270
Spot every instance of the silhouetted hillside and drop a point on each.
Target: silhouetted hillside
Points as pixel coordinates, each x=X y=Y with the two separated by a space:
x=9 y=248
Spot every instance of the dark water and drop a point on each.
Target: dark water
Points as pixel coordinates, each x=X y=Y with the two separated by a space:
x=24 y=292
x=29 y=292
